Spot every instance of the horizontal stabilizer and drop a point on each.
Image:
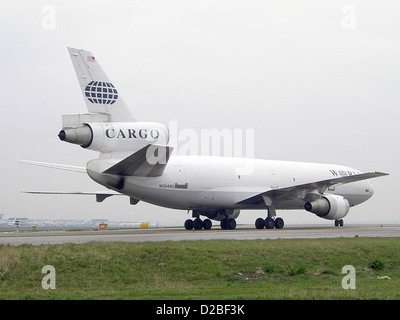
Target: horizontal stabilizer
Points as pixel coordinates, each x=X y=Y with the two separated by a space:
x=149 y=161
x=53 y=165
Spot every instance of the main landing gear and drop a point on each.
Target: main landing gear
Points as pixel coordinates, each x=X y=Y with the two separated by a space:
x=270 y=222
x=198 y=224
x=227 y=218
x=228 y=224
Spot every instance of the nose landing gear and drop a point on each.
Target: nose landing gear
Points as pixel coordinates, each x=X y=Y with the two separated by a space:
x=339 y=223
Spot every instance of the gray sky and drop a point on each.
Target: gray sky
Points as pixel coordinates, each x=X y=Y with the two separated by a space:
x=317 y=81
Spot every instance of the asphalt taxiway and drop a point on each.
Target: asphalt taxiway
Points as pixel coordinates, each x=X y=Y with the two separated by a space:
x=242 y=232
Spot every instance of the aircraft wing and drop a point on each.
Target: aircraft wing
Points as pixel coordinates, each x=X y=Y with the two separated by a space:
x=301 y=191
x=100 y=195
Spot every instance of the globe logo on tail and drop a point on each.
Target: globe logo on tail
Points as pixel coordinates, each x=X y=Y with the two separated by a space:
x=101 y=92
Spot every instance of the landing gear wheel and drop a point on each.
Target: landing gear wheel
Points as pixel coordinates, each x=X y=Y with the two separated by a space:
x=260 y=223
x=189 y=224
x=279 y=223
x=269 y=223
x=231 y=224
x=224 y=224
x=207 y=224
x=197 y=224
x=339 y=223
x=228 y=224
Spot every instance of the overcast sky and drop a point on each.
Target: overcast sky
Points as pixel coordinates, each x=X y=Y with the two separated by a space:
x=317 y=81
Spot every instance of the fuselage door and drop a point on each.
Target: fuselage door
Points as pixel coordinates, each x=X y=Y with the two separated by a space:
x=180 y=179
x=273 y=179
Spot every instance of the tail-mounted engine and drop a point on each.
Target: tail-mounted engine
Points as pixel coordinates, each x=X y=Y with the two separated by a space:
x=106 y=136
x=329 y=207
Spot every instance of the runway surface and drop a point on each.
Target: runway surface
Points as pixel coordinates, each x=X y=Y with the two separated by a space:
x=245 y=232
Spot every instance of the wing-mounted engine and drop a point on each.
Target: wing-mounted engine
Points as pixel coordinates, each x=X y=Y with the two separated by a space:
x=94 y=132
x=330 y=207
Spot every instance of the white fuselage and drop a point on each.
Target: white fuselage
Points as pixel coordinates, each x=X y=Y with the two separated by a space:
x=135 y=159
x=204 y=182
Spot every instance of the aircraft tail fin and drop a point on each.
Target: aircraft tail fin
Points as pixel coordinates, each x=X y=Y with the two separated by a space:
x=98 y=91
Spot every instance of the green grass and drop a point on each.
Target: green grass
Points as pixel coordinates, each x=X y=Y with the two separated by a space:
x=226 y=269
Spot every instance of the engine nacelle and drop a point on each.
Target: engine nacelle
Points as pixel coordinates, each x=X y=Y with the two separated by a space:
x=329 y=207
x=116 y=136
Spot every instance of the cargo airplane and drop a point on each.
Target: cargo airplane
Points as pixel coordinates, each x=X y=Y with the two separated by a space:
x=135 y=160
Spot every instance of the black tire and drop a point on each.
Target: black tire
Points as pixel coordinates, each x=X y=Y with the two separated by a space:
x=341 y=222
x=336 y=223
x=197 y=224
x=207 y=224
x=224 y=224
x=279 y=223
x=260 y=224
x=231 y=224
x=269 y=223
x=189 y=224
